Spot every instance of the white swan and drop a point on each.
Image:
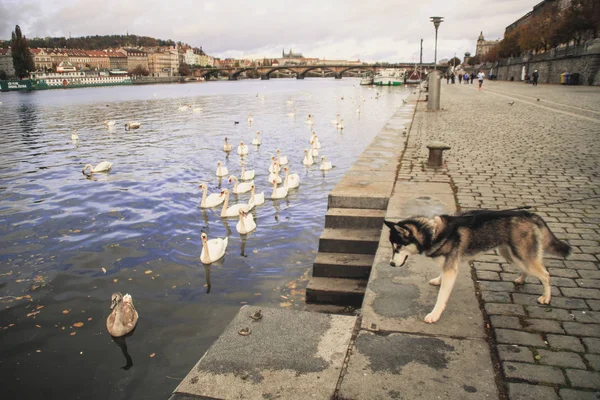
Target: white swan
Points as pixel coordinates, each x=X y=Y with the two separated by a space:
x=309 y=120
x=227 y=146
x=358 y=109
x=256 y=199
x=308 y=158
x=213 y=249
x=340 y=125
x=213 y=200
x=293 y=113
x=290 y=101
x=325 y=165
x=274 y=176
x=197 y=109
x=336 y=120
x=250 y=118
x=110 y=122
x=246 y=223
x=184 y=108
x=234 y=210
x=74 y=135
x=242 y=149
x=256 y=141
x=239 y=188
x=246 y=175
x=279 y=193
x=292 y=181
x=132 y=125
x=314 y=138
x=314 y=151
x=221 y=170
x=274 y=167
x=281 y=160
x=104 y=166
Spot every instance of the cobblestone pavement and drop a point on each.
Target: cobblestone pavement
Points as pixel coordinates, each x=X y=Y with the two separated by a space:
x=537 y=153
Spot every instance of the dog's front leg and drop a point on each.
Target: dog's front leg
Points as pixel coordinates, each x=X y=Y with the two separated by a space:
x=448 y=278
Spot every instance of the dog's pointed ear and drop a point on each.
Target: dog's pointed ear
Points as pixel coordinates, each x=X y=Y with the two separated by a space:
x=394 y=226
x=389 y=224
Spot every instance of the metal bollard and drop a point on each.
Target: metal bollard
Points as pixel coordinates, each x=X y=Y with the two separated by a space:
x=433 y=103
x=435 y=153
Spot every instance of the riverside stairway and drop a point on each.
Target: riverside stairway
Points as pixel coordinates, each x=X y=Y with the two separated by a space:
x=354 y=219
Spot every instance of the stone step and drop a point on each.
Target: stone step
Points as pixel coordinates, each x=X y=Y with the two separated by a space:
x=349 y=201
x=339 y=265
x=353 y=241
x=353 y=218
x=347 y=292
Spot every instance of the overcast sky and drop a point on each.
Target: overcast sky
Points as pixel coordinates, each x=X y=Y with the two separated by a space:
x=369 y=30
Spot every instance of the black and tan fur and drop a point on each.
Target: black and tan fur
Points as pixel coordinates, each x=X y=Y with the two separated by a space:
x=521 y=238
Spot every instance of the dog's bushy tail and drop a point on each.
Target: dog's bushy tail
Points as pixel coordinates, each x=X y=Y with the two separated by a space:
x=558 y=247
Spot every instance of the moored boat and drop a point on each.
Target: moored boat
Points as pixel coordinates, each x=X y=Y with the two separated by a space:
x=366 y=78
x=414 y=77
x=389 y=77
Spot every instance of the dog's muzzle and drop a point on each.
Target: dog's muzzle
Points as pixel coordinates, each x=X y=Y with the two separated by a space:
x=399 y=258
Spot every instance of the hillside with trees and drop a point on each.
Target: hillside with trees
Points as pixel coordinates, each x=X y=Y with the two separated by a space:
x=98 y=42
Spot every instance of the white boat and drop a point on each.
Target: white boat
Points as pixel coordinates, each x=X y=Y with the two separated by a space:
x=389 y=77
x=366 y=78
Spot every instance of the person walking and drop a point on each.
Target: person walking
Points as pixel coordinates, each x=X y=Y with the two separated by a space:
x=536 y=75
x=447 y=78
x=466 y=78
x=480 y=76
x=472 y=77
x=460 y=76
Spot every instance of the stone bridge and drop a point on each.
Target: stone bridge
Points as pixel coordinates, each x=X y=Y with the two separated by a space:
x=301 y=70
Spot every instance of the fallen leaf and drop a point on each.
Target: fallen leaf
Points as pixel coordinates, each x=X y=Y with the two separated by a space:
x=147 y=272
x=89 y=319
x=37 y=326
x=257 y=294
x=38 y=351
x=76 y=231
x=130 y=279
x=65 y=311
x=31 y=314
x=285 y=305
x=11 y=324
x=152 y=355
x=243 y=302
x=78 y=324
x=39 y=307
x=73 y=333
x=115 y=280
x=174 y=286
x=103 y=269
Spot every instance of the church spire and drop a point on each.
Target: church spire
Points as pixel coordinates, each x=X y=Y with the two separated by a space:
x=480 y=36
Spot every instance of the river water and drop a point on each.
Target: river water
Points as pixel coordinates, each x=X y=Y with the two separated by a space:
x=68 y=241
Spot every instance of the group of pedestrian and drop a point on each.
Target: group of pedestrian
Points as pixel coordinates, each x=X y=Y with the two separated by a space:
x=466 y=78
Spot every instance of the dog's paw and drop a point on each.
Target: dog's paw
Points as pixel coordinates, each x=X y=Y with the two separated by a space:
x=520 y=280
x=431 y=317
x=544 y=299
x=436 y=281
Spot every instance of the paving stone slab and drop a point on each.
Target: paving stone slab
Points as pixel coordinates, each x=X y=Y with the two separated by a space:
x=407 y=366
x=288 y=354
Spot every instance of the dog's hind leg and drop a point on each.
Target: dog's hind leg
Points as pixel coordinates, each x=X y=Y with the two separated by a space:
x=448 y=279
x=506 y=253
x=538 y=270
x=436 y=281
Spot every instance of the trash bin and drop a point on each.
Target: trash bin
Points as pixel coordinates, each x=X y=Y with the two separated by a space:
x=574 y=79
x=564 y=78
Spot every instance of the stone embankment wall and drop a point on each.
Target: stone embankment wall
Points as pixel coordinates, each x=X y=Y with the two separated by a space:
x=583 y=60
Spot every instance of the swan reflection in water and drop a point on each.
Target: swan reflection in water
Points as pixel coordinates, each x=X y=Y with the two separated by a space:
x=207 y=275
x=121 y=342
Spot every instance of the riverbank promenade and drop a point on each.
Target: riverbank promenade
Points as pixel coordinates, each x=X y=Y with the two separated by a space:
x=511 y=145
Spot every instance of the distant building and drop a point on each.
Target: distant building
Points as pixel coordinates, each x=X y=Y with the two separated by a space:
x=483 y=46
x=41 y=59
x=539 y=9
x=136 y=58
x=99 y=60
x=66 y=66
x=6 y=62
x=118 y=59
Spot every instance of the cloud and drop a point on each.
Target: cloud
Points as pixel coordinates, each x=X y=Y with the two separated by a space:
x=378 y=30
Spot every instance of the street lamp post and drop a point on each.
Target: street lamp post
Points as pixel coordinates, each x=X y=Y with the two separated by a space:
x=433 y=101
x=436 y=22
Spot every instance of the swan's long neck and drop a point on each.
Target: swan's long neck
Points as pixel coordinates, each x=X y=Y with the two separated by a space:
x=242 y=223
x=203 y=196
x=243 y=170
x=235 y=184
x=205 y=248
x=287 y=173
x=251 y=196
x=274 y=187
x=225 y=204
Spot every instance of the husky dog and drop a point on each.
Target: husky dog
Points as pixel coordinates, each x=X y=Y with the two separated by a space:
x=521 y=238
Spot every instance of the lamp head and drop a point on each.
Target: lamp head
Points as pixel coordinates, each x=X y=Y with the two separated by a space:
x=436 y=21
